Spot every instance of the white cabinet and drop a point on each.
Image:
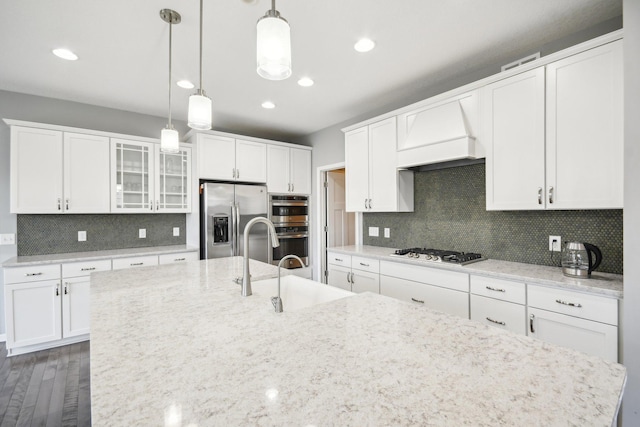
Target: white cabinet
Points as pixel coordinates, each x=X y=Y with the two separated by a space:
x=440 y=290
x=557 y=145
x=584 y=322
x=288 y=170
x=373 y=181
x=172 y=189
x=58 y=172
x=339 y=276
x=353 y=273
x=499 y=303
x=231 y=159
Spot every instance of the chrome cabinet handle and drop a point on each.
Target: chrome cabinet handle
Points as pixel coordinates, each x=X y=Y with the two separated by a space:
x=338 y=259
x=495 y=289
x=59 y=204
x=531 y=324
x=539 y=195
x=67 y=204
x=33 y=274
x=179 y=259
x=369 y=203
x=550 y=194
x=292 y=187
x=364 y=265
x=151 y=205
x=57 y=290
x=157 y=205
x=133 y=264
x=88 y=269
x=365 y=203
x=570 y=304
x=233 y=172
x=417 y=300
x=237 y=173
x=497 y=322
x=352 y=281
x=65 y=288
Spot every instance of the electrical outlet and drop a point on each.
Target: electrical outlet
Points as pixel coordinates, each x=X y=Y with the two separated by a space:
x=82 y=236
x=7 y=239
x=374 y=231
x=387 y=233
x=554 y=243
x=176 y=231
x=142 y=233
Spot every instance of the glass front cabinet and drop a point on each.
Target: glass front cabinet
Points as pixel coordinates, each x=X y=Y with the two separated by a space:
x=145 y=180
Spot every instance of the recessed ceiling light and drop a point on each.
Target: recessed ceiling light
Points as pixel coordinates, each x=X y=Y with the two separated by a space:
x=268 y=105
x=305 y=82
x=65 y=54
x=364 y=45
x=185 y=84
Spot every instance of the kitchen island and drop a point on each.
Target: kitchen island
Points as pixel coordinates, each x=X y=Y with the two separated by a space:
x=178 y=345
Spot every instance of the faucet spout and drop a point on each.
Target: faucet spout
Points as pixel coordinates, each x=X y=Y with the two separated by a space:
x=277 y=301
x=246 y=278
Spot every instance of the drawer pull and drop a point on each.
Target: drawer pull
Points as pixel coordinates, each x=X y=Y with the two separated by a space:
x=179 y=259
x=495 y=289
x=364 y=265
x=570 y=304
x=497 y=322
x=33 y=274
x=88 y=269
x=416 y=300
x=136 y=263
x=531 y=324
x=338 y=259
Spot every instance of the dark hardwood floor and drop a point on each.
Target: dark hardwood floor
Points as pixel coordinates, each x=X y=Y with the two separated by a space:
x=46 y=388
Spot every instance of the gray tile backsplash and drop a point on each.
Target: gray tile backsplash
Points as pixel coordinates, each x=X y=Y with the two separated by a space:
x=450 y=213
x=51 y=234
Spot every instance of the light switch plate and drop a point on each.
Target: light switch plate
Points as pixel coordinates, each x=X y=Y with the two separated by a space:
x=176 y=231
x=387 y=233
x=142 y=233
x=374 y=231
x=7 y=239
x=82 y=236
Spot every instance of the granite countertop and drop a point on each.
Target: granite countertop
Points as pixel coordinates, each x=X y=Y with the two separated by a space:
x=605 y=284
x=178 y=345
x=21 y=261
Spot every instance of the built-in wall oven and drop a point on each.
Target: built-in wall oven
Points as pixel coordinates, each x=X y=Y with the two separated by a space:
x=290 y=216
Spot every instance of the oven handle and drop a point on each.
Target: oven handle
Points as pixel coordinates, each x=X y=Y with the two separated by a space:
x=292 y=236
x=289 y=203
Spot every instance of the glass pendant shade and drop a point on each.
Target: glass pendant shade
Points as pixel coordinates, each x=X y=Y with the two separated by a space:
x=169 y=141
x=273 y=48
x=199 y=111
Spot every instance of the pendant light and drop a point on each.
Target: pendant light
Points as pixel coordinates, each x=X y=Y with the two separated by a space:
x=273 y=45
x=169 y=138
x=199 y=103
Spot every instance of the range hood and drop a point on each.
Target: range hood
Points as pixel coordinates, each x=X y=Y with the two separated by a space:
x=441 y=133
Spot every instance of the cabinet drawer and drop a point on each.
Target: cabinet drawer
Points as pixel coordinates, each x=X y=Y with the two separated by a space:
x=431 y=276
x=132 y=262
x=505 y=290
x=32 y=273
x=585 y=306
x=85 y=268
x=178 y=257
x=338 y=259
x=501 y=314
x=365 y=264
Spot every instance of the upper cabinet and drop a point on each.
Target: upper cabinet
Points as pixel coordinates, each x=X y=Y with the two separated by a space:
x=58 y=172
x=554 y=134
x=288 y=170
x=373 y=181
x=231 y=159
x=173 y=189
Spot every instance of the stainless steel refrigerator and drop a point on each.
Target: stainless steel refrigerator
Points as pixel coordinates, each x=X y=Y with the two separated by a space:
x=225 y=209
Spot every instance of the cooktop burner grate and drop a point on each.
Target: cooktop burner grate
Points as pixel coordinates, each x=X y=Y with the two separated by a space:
x=439 y=255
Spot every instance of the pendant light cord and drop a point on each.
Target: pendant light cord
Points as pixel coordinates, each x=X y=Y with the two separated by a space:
x=201 y=2
x=170 y=41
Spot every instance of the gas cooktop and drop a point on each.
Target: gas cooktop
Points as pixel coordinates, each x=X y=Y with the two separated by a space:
x=438 y=255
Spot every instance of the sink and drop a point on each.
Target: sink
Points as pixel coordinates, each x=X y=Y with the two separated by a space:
x=297 y=292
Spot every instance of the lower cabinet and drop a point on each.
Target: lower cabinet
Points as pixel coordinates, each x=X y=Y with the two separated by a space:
x=353 y=273
x=499 y=303
x=75 y=306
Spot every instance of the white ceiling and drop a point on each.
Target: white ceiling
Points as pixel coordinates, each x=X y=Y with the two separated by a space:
x=123 y=50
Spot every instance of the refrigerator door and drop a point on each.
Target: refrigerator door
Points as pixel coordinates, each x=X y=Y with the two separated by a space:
x=251 y=202
x=218 y=220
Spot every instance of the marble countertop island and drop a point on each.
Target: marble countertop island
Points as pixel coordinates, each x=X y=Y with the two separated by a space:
x=177 y=345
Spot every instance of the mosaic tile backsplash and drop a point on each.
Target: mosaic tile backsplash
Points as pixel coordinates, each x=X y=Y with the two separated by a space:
x=450 y=213
x=52 y=234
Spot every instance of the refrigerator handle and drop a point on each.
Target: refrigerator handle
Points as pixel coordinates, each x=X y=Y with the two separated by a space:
x=237 y=237
x=234 y=226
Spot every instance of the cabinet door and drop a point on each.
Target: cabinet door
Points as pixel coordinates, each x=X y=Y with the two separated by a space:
x=251 y=161
x=36 y=170
x=75 y=306
x=500 y=314
x=33 y=313
x=513 y=122
x=339 y=277
x=364 y=281
x=132 y=176
x=216 y=157
x=173 y=192
x=585 y=130
x=433 y=297
x=278 y=169
x=595 y=338
x=86 y=174
x=300 y=171
x=383 y=172
x=356 y=145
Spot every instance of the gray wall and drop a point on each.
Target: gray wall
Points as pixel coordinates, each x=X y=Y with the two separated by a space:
x=631 y=303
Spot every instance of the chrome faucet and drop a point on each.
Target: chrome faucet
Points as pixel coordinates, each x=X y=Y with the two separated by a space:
x=246 y=278
x=277 y=301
